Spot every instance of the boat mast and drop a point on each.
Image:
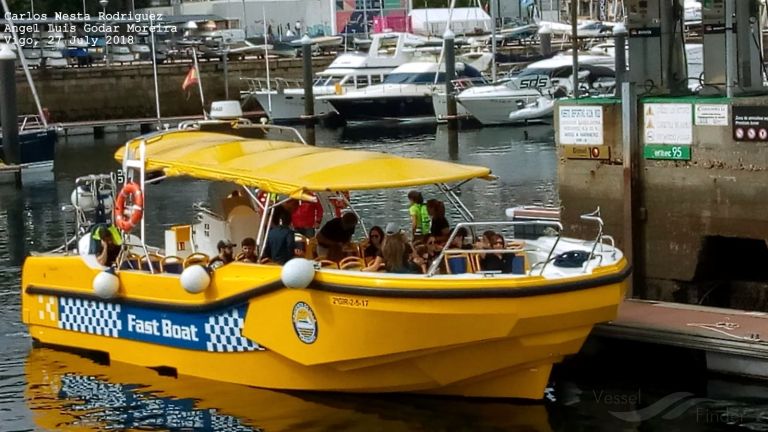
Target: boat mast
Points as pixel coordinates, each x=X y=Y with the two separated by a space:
x=24 y=65
x=266 y=60
x=154 y=72
x=442 y=51
x=494 y=13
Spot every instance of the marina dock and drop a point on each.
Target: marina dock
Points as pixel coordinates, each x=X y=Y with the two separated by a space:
x=10 y=174
x=730 y=339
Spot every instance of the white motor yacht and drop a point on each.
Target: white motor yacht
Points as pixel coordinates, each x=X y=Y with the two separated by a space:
x=284 y=101
x=492 y=104
x=405 y=94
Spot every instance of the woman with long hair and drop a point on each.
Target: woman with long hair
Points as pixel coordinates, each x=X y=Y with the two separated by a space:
x=439 y=226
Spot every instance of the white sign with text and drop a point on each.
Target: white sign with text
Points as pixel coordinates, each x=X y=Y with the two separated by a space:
x=581 y=124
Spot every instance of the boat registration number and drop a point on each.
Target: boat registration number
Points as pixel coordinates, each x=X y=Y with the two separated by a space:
x=349 y=302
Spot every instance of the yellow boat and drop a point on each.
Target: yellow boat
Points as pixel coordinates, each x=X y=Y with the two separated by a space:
x=306 y=327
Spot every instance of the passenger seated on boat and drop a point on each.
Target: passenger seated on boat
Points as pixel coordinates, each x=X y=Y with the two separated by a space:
x=495 y=261
x=373 y=244
x=419 y=260
x=108 y=250
x=225 y=255
x=334 y=235
x=249 y=251
x=459 y=239
x=394 y=256
x=281 y=241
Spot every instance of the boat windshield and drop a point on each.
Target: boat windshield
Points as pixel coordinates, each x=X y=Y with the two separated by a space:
x=414 y=78
x=535 y=71
x=429 y=77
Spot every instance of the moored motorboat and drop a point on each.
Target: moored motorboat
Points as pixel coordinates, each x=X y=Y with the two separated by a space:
x=303 y=326
x=37 y=143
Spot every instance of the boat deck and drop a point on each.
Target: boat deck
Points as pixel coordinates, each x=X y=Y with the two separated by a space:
x=713 y=330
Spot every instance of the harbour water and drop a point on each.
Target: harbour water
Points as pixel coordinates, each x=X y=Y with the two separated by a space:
x=624 y=388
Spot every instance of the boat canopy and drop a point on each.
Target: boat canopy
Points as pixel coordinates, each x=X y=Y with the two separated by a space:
x=290 y=168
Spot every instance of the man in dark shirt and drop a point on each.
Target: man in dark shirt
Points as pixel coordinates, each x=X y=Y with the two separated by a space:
x=281 y=242
x=335 y=234
x=225 y=254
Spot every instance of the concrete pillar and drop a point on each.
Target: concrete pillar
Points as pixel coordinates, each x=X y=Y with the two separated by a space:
x=620 y=55
x=450 y=75
x=8 y=117
x=545 y=39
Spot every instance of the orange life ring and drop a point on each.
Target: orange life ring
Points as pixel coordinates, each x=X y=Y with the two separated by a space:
x=127 y=218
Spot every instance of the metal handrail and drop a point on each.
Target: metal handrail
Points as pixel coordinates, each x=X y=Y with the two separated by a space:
x=595 y=217
x=272 y=84
x=470 y=225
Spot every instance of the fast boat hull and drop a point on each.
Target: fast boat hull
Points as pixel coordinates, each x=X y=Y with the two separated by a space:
x=469 y=335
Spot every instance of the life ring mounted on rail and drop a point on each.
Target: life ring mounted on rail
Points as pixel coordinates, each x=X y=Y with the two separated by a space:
x=126 y=218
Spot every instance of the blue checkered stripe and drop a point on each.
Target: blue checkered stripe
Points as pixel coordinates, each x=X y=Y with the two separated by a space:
x=225 y=332
x=217 y=331
x=90 y=316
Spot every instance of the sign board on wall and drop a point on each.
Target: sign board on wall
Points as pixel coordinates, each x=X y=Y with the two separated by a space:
x=750 y=123
x=711 y=115
x=667 y=131
x=581 y=125
x=667 y=123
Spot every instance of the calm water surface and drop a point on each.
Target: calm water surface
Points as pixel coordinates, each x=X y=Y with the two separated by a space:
x=44 y=389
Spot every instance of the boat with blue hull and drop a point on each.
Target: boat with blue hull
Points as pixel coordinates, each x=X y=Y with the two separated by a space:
x=37 y=143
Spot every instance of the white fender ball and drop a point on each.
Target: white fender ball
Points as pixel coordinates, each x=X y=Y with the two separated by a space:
x=106 y=284
x=195 y=279
x=298 y=273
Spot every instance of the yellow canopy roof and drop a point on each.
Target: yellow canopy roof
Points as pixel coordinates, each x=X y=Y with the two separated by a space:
x=291 y=168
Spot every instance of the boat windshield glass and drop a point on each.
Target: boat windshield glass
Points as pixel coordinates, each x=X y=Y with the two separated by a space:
x=535 y=71
x=429 y=77
x=414 y=78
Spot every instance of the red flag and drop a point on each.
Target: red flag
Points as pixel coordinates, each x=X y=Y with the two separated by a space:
x=191 y=79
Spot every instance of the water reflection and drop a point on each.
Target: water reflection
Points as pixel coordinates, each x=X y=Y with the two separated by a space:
x=65 y=391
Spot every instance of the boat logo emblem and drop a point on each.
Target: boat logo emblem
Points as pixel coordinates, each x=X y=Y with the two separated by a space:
x=304 y=323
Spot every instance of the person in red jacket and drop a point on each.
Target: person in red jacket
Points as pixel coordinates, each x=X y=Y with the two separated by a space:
x=306 y=216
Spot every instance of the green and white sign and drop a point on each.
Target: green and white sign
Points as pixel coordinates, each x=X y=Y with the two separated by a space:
x=667 y=152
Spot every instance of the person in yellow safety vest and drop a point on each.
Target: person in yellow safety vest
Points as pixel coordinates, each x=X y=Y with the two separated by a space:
x=419 y=214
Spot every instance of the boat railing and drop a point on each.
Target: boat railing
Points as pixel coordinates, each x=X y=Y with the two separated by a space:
x=601 y=237
x=30 y=122
x=557 y=226
x=272 y=84
x=242 y=123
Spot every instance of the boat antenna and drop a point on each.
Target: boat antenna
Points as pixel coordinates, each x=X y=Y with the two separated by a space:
x=266 y=60
x=24 y=65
